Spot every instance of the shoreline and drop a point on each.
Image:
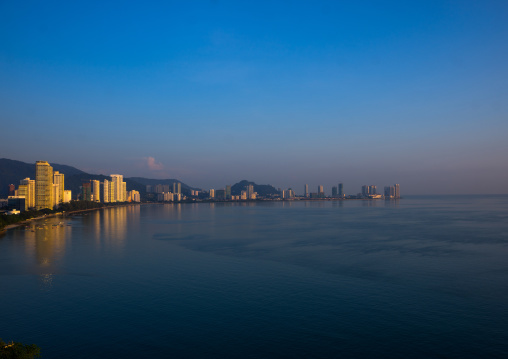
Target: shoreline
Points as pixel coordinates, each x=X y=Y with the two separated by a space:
x=63 y=214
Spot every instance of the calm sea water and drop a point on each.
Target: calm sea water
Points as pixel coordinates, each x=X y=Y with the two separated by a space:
x=420 y=277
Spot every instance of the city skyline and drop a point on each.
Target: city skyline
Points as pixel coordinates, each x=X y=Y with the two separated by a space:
x=378 y=93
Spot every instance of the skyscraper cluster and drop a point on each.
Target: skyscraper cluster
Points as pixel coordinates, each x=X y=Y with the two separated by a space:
x=169 y=193
x=48 y=190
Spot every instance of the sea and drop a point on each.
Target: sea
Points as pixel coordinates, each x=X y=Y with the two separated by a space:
x=419 y=277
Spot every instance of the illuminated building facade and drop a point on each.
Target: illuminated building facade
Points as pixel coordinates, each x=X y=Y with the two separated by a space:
x=43 y=185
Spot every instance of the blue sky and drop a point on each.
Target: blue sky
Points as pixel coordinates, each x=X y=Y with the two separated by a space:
x=285 y=93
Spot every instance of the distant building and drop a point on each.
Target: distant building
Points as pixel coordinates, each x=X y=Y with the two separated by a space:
x=372 y=190
x=397 y=191
x=306 y=193
x=67 y=196
x=86 y=191
x=11 y=190
x=118 y=188
x=321 y=192
x=148 y=188
x=212 y=193
x=30 y=191
x=17 y=202
x=56 y=195
x=59 y=180
x=133 y=196
x=341 y=190
x=23 y=192
x=124 y=191
x=43 y=185
x=334 y=191
x=390 y=192
x=365 y=191
x=290 y=193
x=177 y=187
x=220 y=194
x=250 y=190
x=96 y=190
x=228 y=191
x=106 y=197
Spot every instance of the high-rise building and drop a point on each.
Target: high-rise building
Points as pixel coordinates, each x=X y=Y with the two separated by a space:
x=105 y=191
x=212 y=193
x=23 y=192
x=124 y=191
x=228 y=191
x=112 y=192
x=11 y=190
x=334 y=191
x=306 y=193
x=58 y=179
x=30 y=191
x=291 y=193
x=96 y=190
x=321 y=192
x=177 y=187
x=148 y=188
x=55 y=193
x=397 y=191
x=86 y=191
x=389 y=191
x=43 y=185
x=118 y=191
x=341 y=190
x=365 y=191
x=372 y=190
x=250 y=190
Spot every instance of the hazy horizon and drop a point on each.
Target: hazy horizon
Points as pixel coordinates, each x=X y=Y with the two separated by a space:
x=214 y=92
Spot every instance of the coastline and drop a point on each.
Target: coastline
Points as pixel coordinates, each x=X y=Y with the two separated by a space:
x=70 y=213
x=63 y=214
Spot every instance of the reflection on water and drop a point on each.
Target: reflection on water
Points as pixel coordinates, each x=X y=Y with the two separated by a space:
x=45 y=241
x=108 y=227
x=411 y=278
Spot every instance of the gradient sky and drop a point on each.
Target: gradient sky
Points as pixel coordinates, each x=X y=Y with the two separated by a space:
x=276 y=92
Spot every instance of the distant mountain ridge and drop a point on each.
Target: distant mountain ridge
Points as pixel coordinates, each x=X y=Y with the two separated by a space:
x=12 y=171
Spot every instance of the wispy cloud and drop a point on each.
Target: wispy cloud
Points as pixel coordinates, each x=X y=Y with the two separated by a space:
x=153 y=165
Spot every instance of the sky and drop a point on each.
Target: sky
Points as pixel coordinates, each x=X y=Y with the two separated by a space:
x=276 y=92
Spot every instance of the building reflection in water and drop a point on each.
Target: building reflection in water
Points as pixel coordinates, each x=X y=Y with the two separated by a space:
x=46 y=242
x=392 y=203
x=110 y=225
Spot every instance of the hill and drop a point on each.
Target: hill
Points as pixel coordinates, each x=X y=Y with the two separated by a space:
x=263 y=190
